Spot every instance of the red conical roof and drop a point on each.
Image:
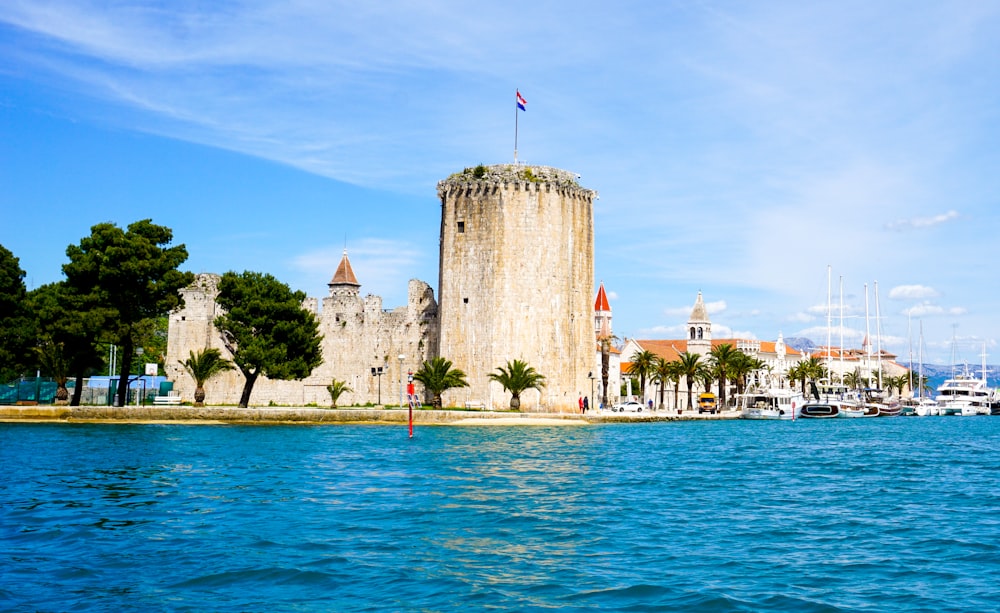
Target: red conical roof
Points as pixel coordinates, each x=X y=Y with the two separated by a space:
x=601 y=304
x=344 y=274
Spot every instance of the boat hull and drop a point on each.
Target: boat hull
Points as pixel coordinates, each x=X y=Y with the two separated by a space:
x=819 y=411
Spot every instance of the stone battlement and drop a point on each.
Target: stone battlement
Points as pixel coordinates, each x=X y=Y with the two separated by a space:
x=489 y=179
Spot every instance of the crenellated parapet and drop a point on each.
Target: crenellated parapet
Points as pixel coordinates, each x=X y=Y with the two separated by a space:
x=490 y=180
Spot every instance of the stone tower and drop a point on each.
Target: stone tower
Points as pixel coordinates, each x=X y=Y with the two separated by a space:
x=699 y=329
x=516 y=282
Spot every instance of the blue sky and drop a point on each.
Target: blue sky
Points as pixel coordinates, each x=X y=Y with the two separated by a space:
x=738 y=148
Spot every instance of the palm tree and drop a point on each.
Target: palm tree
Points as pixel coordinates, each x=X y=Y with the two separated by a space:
x=438 y=376
x=336 y=389
x=853 y=379
x=517 y=378
x=707 y=376
x=812 y=369
x=741 y=369
x=203 y=366
x=690 y=366
x=52 y=359
x=643 y=365
x=663 y=372
x=605 y=339
x=724 y=358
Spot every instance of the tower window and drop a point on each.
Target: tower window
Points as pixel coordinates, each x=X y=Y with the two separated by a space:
x=461 y=227
x=465 y=300
x=692 y=333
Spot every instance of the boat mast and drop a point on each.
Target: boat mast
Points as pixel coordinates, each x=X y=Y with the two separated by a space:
x=878 y=337
x=841 y=357
x=829 y=323
x=909 y=340
x=868 y=339
x=920 y=362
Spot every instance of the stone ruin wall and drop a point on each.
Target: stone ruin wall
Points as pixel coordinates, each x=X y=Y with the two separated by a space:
x=357 y=335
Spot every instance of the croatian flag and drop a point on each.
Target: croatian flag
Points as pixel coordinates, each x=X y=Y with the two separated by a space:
x=521 y=101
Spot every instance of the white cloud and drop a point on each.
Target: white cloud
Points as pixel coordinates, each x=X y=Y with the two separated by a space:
x=611 y=295
x=912 y=292
x=922 y=222
x=657 y=332
x=672 y=312
x=712 y=308
x=715 y=307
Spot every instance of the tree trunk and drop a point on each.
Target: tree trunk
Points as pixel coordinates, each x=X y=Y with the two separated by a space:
x=605 y=359
x=247 y=388
x=123 y=371
x=199 y=396
x=515 y=403
x=77 y=391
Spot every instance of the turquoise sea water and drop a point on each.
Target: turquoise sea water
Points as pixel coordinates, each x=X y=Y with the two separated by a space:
x=823 y=515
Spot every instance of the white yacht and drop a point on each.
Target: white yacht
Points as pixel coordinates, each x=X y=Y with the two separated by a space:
x=964 y=395
x=770 y=404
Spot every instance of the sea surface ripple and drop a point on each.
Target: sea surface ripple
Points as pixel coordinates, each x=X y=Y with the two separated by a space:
x=825 y=515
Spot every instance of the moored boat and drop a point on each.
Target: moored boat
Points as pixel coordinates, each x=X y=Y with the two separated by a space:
x=770 y=404
x=964 y=395
x=829 y=400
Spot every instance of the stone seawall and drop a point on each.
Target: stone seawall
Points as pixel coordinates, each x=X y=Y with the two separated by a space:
x=303 y=415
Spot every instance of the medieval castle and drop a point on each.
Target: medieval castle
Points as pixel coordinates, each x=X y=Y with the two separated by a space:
x=515 y=282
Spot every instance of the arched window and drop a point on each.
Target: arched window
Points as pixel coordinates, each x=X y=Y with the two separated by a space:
x=692 y=332
x=700 y=333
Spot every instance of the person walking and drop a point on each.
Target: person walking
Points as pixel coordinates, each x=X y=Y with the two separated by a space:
x=581 y=403
x=586 y=404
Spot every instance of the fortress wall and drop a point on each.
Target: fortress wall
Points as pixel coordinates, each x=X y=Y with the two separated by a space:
x=355 y=338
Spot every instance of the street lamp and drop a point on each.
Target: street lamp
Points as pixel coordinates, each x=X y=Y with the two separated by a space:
x=590 y=375
x=401 y=358
x=377 y=372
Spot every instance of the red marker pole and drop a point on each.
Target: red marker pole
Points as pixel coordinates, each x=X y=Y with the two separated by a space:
x=409 y=395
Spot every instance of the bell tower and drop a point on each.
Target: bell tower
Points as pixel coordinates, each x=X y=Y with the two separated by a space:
x=699 y=329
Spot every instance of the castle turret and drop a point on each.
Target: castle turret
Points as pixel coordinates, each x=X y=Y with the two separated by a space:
x=516 y=281
x=344 y=283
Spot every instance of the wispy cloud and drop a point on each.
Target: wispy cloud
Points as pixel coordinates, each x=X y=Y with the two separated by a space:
x=713 y=308
x=927 y=309
x=912 y=292
x=922 y=222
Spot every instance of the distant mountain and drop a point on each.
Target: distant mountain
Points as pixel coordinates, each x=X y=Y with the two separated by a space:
x=800 y=343
x=935 y=373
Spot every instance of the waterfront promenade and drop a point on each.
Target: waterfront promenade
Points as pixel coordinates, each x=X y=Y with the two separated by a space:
x=312 y=415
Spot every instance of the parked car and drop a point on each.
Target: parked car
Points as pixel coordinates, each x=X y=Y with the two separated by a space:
x=627 y=407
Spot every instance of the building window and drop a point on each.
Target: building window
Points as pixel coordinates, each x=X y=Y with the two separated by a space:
x=700 y=333
x=465 y=300
x=461 y=227
x=692 y=333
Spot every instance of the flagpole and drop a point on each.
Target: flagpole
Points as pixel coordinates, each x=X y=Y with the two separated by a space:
x=515 y=127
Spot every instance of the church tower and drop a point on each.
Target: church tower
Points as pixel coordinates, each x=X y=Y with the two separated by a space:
x=516 y=282
x=699 y=329
x=602 y=314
